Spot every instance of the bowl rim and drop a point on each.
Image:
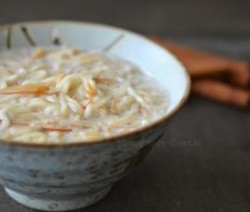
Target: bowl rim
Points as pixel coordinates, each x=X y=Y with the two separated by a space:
x=155 y=124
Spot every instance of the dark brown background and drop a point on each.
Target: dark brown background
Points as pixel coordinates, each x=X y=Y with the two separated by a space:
x=166 y=17
x=203 y=164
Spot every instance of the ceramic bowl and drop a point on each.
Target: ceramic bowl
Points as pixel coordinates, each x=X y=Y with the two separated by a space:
x=71 y=176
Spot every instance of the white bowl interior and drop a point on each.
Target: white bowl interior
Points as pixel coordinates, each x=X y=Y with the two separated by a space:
x=148 y=56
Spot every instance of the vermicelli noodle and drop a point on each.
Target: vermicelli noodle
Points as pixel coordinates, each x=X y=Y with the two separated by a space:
x=63 y=95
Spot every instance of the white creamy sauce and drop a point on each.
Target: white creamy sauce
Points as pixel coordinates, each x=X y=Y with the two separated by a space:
x=64 y=95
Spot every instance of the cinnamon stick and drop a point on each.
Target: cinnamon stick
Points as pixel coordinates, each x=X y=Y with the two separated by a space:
x=222 y=92
x=203 y=64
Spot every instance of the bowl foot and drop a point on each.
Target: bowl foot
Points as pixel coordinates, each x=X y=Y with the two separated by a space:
x=58 y=205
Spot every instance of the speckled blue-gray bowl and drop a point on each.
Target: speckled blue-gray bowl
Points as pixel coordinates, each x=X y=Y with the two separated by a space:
x=71 y=176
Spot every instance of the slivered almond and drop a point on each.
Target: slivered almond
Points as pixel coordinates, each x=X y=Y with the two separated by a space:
x=59 y=78
x=39 y=53
x=90 y=87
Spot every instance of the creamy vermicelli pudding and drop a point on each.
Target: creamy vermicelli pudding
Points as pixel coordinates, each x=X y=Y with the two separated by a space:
x=58 y=95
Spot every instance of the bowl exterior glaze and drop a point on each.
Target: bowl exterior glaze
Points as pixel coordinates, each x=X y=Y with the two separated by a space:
x=66 y=178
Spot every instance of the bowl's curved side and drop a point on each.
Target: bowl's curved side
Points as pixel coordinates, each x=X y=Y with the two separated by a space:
x=74 y=173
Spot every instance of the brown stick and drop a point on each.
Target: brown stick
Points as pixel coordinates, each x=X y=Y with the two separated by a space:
x=222 y=92
x=201 y=64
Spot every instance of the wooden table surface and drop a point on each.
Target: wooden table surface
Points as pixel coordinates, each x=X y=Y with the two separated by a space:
x=203 y=162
